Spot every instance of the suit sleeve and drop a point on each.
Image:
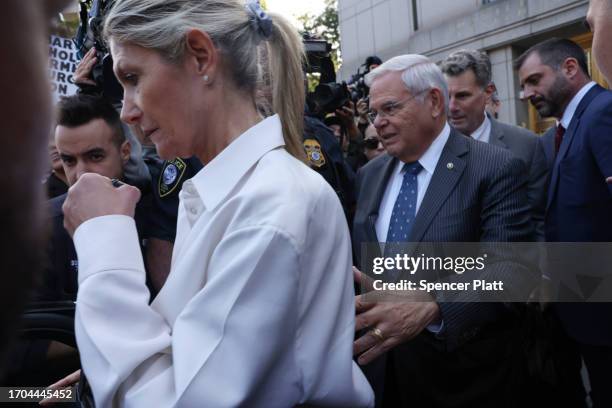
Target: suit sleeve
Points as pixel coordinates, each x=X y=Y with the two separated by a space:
x=505 y=217
x=600 y=139
x=536 y=190
x=357 y=183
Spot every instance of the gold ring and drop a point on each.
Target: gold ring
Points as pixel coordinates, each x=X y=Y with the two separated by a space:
x=376 y=332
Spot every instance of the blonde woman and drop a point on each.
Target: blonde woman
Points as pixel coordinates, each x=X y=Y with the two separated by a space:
x=258 y=308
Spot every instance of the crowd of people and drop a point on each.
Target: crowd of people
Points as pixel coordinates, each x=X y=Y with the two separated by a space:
x=212 y=266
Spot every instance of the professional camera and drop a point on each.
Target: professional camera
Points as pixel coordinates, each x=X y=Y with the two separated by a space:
x=357 y=84
x=328 y=95
x=318 y=58
x=89 y=35
x=331 y=96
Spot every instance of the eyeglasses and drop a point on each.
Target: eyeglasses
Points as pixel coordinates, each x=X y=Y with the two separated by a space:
x=391 y=108
x=371 y=143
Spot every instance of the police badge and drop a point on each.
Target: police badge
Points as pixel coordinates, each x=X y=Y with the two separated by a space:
x=171 y=174
x=314 y=153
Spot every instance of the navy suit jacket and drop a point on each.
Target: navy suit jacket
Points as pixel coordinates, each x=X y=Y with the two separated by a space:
x=579 y=204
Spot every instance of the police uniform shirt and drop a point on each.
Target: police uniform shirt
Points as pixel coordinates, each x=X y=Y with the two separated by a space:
x=167 y=179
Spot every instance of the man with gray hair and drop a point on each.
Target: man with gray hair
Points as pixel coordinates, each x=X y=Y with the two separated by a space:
x=433 y=184
x=468 y=73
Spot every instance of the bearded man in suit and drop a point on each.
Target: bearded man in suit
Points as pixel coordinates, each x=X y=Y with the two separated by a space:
x=554 y=77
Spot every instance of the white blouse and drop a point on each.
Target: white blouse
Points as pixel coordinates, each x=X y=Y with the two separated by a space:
x=258 y=309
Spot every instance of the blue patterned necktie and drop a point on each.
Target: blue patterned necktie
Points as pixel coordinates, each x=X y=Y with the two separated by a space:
x=403 y=215
x=404 y=210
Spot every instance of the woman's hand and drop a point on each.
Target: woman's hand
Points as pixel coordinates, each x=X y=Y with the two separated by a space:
x=93 y=196
x=66 y=382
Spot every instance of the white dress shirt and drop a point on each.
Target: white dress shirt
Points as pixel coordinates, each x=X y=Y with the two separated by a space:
x=258 y=309
x=569 y=111
x=483 y=133
x=429 y=161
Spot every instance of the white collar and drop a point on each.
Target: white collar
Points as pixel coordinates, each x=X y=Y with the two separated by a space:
x=219 y=177
x=483 y=130
x=568 y=114
x=429 y=159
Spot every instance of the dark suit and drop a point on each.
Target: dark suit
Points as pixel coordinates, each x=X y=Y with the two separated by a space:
x=523 y=144
x=482 y=197
x=579 y=209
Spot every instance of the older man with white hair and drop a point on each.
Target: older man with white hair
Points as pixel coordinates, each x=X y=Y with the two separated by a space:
x=433 y=184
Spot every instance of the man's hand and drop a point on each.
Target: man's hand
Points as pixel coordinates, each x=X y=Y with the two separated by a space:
x=82 y=75
x=347 y=115
x=362 y=111
x=399 y=317
x=93 y=196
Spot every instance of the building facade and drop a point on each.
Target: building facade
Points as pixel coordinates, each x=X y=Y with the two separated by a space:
x=435 y=28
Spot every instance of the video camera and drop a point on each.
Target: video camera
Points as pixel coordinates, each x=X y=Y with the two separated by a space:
x=89 y=35
x=329 y=95
x=357 y=82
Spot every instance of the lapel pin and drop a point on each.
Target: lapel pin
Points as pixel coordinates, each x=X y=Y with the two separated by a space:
x=450 y=166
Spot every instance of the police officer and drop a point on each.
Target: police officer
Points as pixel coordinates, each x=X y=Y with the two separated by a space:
x=90 y=139
x=325 y=157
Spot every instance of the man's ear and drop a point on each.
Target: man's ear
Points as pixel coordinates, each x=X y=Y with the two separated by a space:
x=125 y=150
x=437 y=103
x=201 y=54
x=570 y=67
x=489 y=90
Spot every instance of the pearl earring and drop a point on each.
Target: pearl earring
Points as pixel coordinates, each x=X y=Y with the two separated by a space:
x=205 y=78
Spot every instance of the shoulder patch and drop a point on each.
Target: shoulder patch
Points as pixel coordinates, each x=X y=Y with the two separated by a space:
x=171 y=174
x=314 y=153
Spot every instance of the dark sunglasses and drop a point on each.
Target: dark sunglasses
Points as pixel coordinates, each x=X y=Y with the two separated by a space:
x=371 y=143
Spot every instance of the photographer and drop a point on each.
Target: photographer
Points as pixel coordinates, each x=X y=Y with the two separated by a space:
x=347 y=105
x=352 y=147
x=360 y=92
x=362 y=109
